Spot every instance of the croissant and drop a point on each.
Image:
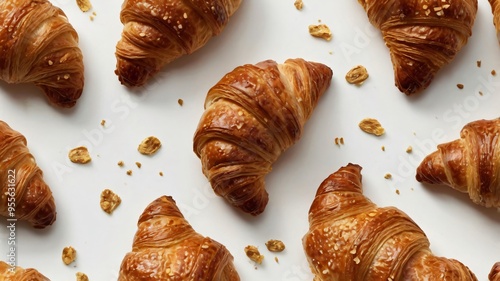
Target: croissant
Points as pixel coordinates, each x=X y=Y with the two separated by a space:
x=470 y=164
x=157 y=32
x=24 y=194
x=38 y=45
x=252 y=115
x=167 y=248
x=495 y=8
x=495 y=272
x=350 y=238
x=10 y=273
x=422 y=36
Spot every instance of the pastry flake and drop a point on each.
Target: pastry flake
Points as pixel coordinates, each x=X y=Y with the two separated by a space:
x=79 y=155
x=357 y=75
x=371 y=126
x=109 y=201
x=149 y=145
x=320 y=31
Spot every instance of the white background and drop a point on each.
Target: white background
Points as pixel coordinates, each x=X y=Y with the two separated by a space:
x=260 y=29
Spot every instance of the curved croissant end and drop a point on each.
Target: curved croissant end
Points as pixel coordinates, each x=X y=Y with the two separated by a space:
x=469 y=164
x=421 y=37
x=16 y=273
x=158 y=32
x=38 y=45
x=22 y=180
x=350 y=238
x=252 y=115
x=166 y=247
x=495 y=272
x=495 y=8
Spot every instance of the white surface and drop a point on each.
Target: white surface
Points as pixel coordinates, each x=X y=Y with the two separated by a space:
x=260 y=29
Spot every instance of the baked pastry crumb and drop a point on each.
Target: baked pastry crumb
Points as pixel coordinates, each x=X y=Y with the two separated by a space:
x=253 y=253
x=383 y=148
x=357 y=75
x=149 y=145
x=493 y=72
x=129 y=172
x=276 y=260
x=275 y=245
x=388 y=176
x=478 y=63
x=109 y=201
x=320 y=31
x=180 y=102
x=84 y=5
x=103 y=122
x=68 y=255
x=371 y=126
x=120 y=163
x=161 y=174
x=397 y=191
x=409 y=149
x=79 y=155
x=138 y=164
x=298 y=4
x=80 y=276
x=460 y=86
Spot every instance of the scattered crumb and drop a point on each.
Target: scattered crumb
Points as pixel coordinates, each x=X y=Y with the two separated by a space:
x=68 y=255
x=161 y=174
x=129 y=172
x=388 y=176
x=298 y=4
x=253 y=253
x=397 y=191
x=138 y=164
x=357 y=75
x=330 y=52
x=149 y=145
x=84 y=5
x=80 y=276
x=103 y=122
x=320 y=31
x=276 y=260
x=409 y=149
x=79 y=155
x=480 y=93
x=275 y=245
x=383 y=148
x=371 y=126
x=478 y=63
x=120 y=163
x=180 y=102
x=460 y=86
x=109 y=201
x=339 y=141
x=357 y=260
x=493 y=72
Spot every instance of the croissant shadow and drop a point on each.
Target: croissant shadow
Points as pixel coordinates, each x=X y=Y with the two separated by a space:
x=20 y=93
x=446 y=193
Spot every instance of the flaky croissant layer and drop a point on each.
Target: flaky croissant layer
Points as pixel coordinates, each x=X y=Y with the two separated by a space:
x=350 y=238
x=24 y=194
x=38 y=45
x=156 y=32
x=470 y=164
x=252 y=115
x=15 y=273
x=422 y=36
x=166 y=247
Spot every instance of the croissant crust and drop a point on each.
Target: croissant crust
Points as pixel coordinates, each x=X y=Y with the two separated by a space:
x=38 y=45
x=422 y=36
x=470 y=164
x=22 y=182
x=252 y=115
x=350 y=238
x=166 y=247
x=9 y=273
x=157 y=32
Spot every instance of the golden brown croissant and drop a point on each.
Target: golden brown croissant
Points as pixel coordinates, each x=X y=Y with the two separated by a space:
x=495 y=8
x=422 y=36
x=24 y=194
x=251 y=116
x=167 y=248
x=350 y=238
x=157 y=32
x=9 y=273
x=470 y=164
x=38 y=45
x=495 y=272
